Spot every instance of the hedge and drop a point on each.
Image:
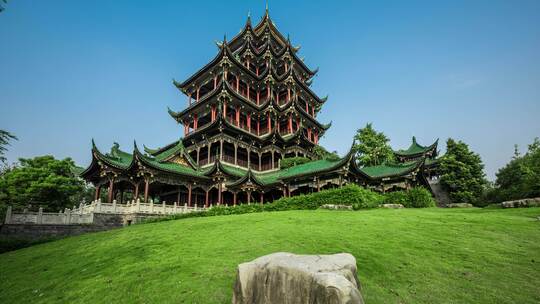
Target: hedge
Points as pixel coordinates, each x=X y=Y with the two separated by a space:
x=417 y=197
x=351 y=195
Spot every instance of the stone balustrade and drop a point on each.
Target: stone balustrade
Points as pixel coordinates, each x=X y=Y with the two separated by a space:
x=84 y=213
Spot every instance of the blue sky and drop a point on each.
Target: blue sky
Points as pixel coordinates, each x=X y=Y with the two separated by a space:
x=75 y=70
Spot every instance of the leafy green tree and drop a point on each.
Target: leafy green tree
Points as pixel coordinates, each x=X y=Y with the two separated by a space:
x=372 y=147
x=321 y=153
x=520 y=178
x=462 y=173
x=41 y=182
x=5 y=138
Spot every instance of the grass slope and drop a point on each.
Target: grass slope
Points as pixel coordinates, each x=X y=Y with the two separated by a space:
x=404 y=256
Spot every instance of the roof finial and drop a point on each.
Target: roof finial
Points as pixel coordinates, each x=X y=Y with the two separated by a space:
x=224 y=38
x=249 y=18
x=414 y=139
x=266 y=11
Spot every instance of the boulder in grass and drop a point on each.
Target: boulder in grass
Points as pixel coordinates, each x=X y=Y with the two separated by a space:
x=459 y=205
x=522 y=203
x=392 y=206
x=288 y=278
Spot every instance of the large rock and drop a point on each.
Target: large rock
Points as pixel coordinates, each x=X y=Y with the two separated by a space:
x=289 y=278
x=522 y=203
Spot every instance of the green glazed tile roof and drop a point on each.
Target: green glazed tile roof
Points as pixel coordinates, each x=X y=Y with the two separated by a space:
x=116 y=158
x=171 y=167
x=415 y=148
x=389 y=169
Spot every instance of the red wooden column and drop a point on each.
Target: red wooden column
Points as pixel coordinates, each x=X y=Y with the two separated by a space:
x=98 y=191
x=234 y=199
x=249 y=121
x=248 y=92
x=195 y=121
x=224 y=109
x=215 y=82
x=249 y=197
x=213 y=112
x=313 y=111
x=257 y=70
x=189 y=195
x=307 y=107
x=206 y=199
x=237 y=84
x=219 y=193
x=189 y=99
x=136 y=196
x=297 y=123
x=111 y=190
x=146 y=188
x=258 y=126
x=269 y=123
x=198 y=89
x=288 y=94
x=309 y=134
x=262 y=198
x=268 y=90
x=290 y=123
x=258 y=97
x=237 y=116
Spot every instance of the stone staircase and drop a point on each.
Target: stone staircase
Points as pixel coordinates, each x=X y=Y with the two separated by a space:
x=441 y=196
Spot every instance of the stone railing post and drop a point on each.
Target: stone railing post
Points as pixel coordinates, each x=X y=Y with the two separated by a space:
x=138 y=205
x=40 y=215
x=175 y=205
x=98 y=205
x=164 y=206
x=185 y=207
x=68 y=216
x=114 y=206
x=8 y=215
x=81 y=207
x=152 y=206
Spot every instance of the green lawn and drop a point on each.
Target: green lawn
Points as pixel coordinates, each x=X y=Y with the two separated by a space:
x=404 y=256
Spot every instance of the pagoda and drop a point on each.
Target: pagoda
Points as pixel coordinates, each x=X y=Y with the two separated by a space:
x=247 y=110
x=252 y=105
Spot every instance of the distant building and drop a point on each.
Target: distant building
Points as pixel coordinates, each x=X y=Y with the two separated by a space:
x=248 y=109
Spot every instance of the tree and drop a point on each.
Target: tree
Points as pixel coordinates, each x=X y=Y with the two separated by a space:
x=321 y=153
x=372 y=147
x=520 y=178
x=5 y=138
x=462 y=173
x=42 y=182
x=1 y=6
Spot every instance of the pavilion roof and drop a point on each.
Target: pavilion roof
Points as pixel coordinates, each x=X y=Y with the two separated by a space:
x=162 y=160
x=391 y=170
x=416 y=149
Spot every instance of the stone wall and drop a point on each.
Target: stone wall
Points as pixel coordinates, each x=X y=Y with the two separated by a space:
x=33 y=232
x=101 y=222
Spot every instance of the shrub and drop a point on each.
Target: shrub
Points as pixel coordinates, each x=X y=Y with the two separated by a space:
x=396 y=197
x=417 y=197
x=420 y=197
x=351 y=195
